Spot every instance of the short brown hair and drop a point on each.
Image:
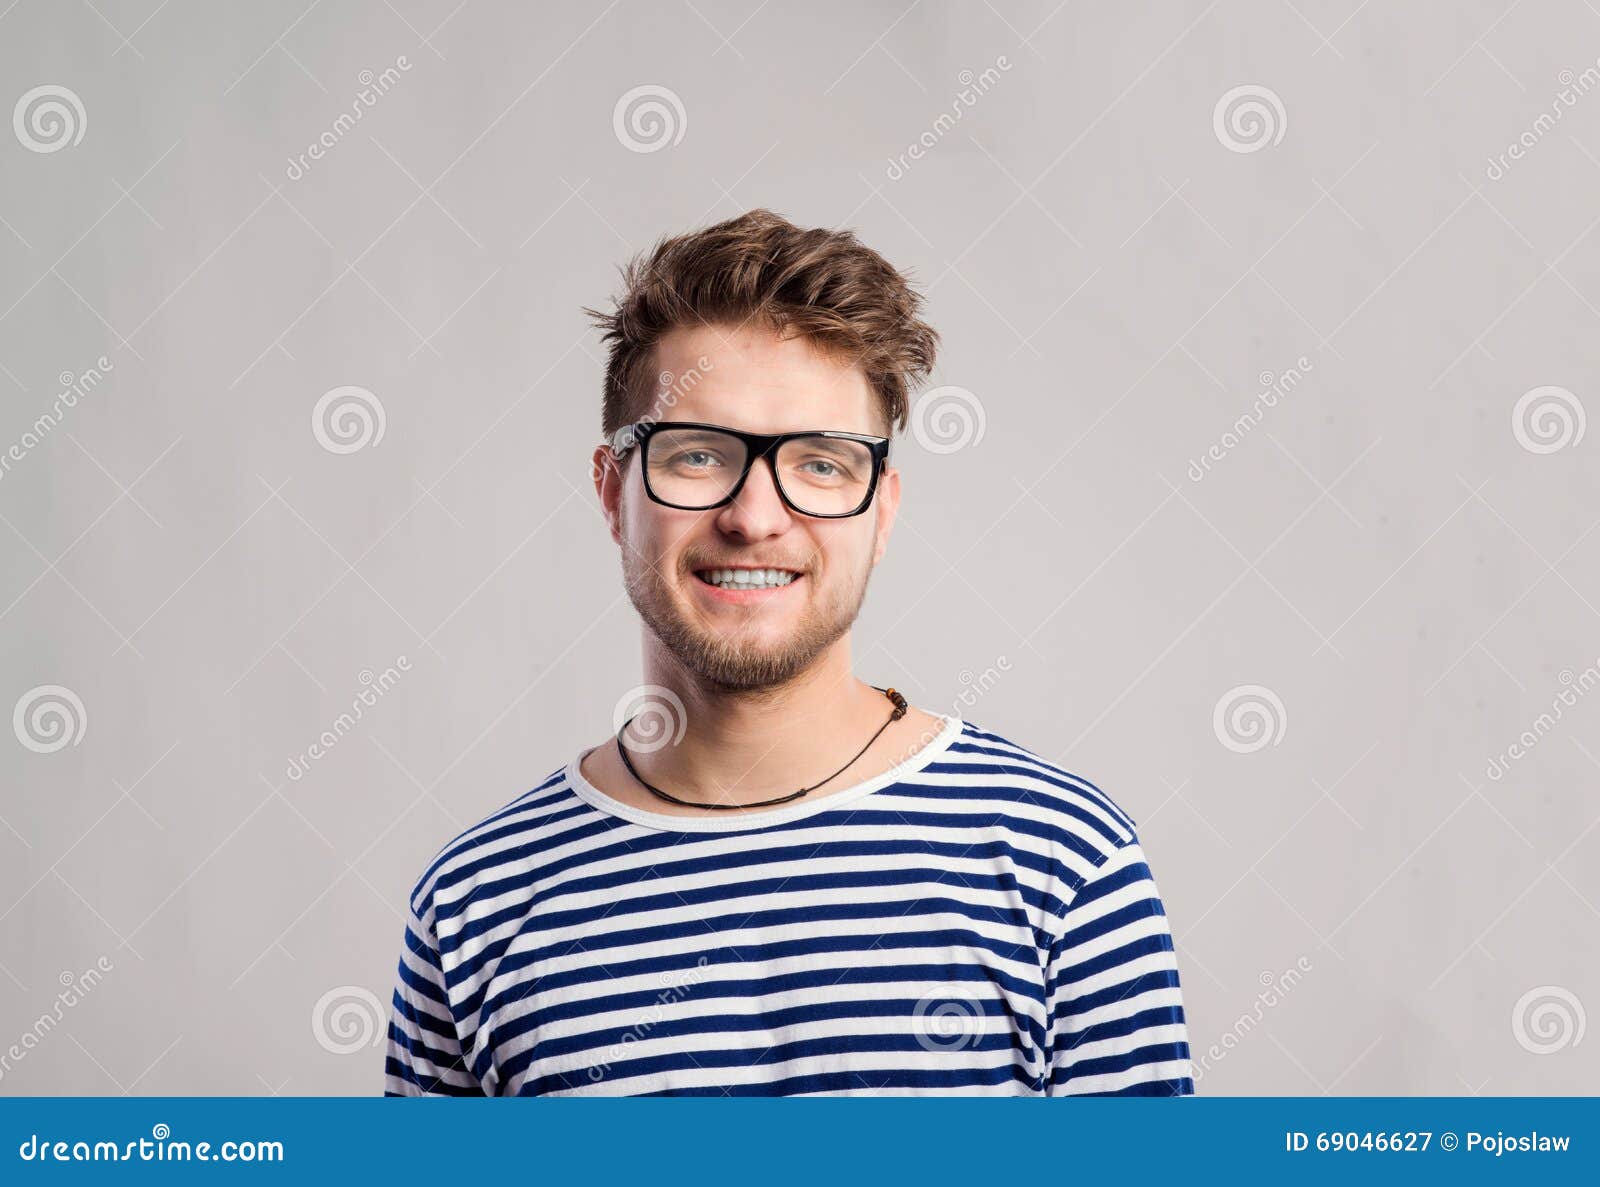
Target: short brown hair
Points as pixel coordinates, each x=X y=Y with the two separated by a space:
x=825 y=286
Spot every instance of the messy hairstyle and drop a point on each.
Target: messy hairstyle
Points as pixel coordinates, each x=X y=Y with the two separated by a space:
x=824 y=286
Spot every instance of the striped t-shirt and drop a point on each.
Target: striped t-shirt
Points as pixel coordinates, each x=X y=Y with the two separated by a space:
x=974 y=921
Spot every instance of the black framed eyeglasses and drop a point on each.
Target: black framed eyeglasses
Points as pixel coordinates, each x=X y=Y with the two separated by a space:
x=823 y=473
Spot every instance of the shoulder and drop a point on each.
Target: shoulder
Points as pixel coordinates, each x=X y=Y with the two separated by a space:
x=1037 y=796
x=483 y=850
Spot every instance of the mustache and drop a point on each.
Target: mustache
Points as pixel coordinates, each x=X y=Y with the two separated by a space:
x=746 y=562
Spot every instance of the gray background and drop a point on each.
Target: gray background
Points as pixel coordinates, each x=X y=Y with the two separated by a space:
x=1383 y=551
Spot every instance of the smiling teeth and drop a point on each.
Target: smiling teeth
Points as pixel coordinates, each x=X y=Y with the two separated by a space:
x=748 y=578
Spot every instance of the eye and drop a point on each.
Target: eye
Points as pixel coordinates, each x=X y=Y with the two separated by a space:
x=823 y=467
x=695 y=459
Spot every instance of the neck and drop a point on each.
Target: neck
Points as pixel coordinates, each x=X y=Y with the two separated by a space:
x=746 y=745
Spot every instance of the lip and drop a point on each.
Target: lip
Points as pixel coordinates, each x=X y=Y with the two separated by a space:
x=742 y=597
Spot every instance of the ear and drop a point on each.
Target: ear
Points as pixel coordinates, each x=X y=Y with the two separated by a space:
x=887 y=502
x=607 y=471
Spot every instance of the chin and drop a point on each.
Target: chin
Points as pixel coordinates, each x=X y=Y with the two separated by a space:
x=747 y=668
x=749 y=655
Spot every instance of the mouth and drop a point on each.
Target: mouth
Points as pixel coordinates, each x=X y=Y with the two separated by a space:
x=745 y=583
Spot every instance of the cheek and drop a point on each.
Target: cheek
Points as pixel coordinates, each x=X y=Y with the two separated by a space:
x=640 y=533
x=844 y=552
x=657 y=534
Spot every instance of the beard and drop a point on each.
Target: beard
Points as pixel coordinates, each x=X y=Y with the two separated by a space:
x=733 y=659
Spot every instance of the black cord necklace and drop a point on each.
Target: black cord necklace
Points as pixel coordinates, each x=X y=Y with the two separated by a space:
x=898 y=701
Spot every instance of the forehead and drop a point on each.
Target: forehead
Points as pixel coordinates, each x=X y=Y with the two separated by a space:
x=749 y=378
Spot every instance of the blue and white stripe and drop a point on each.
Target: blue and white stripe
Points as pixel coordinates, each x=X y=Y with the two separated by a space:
x=976 y=921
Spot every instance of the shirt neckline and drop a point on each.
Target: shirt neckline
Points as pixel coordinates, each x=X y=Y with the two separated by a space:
x=718 y=822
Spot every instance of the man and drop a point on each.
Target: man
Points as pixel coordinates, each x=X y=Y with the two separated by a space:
x=776 y=878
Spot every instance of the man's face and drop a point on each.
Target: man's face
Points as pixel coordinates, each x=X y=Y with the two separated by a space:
x=747 y=379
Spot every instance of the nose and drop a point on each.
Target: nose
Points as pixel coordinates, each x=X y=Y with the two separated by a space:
x=758 y=511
